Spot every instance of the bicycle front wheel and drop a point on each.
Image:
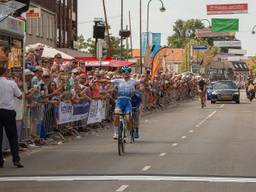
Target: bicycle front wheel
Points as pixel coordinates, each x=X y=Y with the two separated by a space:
x=120 y=139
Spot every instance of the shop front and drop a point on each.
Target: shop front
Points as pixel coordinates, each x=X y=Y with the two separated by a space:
x=12 y=32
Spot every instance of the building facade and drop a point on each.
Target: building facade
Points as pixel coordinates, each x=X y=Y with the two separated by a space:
x=64 y=25
x=43 y=29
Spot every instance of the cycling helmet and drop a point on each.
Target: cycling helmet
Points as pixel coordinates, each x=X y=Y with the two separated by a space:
x=126 y=69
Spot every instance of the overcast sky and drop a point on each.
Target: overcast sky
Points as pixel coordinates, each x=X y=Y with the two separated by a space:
x=162 y=22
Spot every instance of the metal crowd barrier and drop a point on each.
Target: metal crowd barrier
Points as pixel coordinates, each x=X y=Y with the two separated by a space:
x=44 y=121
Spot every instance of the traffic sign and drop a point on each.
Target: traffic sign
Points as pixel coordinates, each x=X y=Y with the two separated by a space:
x=200 y=47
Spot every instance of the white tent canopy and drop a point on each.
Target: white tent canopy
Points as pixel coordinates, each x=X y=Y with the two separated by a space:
x=49 y=52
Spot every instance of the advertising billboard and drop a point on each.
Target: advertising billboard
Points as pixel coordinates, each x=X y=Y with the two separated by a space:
x=219 y=9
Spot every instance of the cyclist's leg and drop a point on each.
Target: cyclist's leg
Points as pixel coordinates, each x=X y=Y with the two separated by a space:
x=118 y=110
x=137 y=122
x=128 y=110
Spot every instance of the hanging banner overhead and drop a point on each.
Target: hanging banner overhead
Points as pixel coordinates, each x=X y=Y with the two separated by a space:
x=220 y=9
x=225 y=25
x=227 y=43
x=207 y=32
x=237 y=52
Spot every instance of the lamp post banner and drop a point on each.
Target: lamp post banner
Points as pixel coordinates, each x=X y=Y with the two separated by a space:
x=156 y=43
x=144 y=42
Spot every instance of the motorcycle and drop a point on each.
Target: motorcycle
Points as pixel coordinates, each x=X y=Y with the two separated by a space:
x=251 y=95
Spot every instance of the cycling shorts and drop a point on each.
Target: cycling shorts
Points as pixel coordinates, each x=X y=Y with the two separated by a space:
x=124 y=104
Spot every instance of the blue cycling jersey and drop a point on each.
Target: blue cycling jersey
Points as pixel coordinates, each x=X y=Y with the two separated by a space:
x=125 y=88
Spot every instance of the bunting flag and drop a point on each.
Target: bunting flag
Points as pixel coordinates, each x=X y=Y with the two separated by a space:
x=225 y=25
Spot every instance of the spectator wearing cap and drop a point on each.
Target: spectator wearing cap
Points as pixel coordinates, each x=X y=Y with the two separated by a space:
x=9 y=91
x=58 y=62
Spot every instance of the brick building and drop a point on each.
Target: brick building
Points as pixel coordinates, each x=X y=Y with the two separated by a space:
x=64 y=24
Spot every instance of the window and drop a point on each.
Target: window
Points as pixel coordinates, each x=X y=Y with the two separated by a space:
x=66 y=37
x=37 y=27
x=50 y=27
x=42 y=26
x=58 y=35
x=29 y=26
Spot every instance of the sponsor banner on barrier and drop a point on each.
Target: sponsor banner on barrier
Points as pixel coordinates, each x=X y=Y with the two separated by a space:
x=97 y=112
x=219 y=9
x=69 y=113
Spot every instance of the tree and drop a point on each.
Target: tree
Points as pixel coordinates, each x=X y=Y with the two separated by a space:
x=89 y=45
x=184 y=31
x=81 y=41
x=197 y=56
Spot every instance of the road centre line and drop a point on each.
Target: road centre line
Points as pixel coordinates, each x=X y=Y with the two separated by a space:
x=201 y=123
x=184 y=137
x=201 y=179
x=207 y=118
x=174 y=144
x=191 y=131
x=162 y=154
x=211 y=115
x=122 y=188
x=222 y=106
x=146 y=168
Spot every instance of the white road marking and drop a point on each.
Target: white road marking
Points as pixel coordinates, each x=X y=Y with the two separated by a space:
x=211 y=115
x=222 y=106
x=207 y=118
x=162 y=154
x=201 y=123
x=191 y=131
x=174 y=144
x=184 y=137
x=146 y=168
x=122 y=188
x=201 y=179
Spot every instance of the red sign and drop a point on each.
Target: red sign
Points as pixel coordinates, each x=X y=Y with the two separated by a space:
x=219 y=9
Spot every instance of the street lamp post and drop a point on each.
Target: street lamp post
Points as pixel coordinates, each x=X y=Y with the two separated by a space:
x=253 y=30
x=207 y=22
x=122 y=27
x=141 y=66
x=162 y=9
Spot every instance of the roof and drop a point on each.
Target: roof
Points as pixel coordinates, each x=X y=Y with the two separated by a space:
x=175 y=55
x=136 y=53
x=74 y=53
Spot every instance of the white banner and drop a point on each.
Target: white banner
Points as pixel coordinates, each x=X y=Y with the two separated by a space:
x=69 y=113
x=237 y=52
x=227 y=43
x=97 y=112
x=237 y=58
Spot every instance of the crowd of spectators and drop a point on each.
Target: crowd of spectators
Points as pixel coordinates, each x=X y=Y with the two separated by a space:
x=51 y=81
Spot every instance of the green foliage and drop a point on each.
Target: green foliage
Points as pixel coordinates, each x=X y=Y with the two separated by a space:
x=254 y=65
x=115 y=47
x=184 y=31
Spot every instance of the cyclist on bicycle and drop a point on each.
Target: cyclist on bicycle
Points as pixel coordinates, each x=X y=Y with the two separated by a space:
x=202 y=91
x=125 y=88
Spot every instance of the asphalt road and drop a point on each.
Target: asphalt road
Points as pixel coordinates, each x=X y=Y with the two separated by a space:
x=184 y=149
